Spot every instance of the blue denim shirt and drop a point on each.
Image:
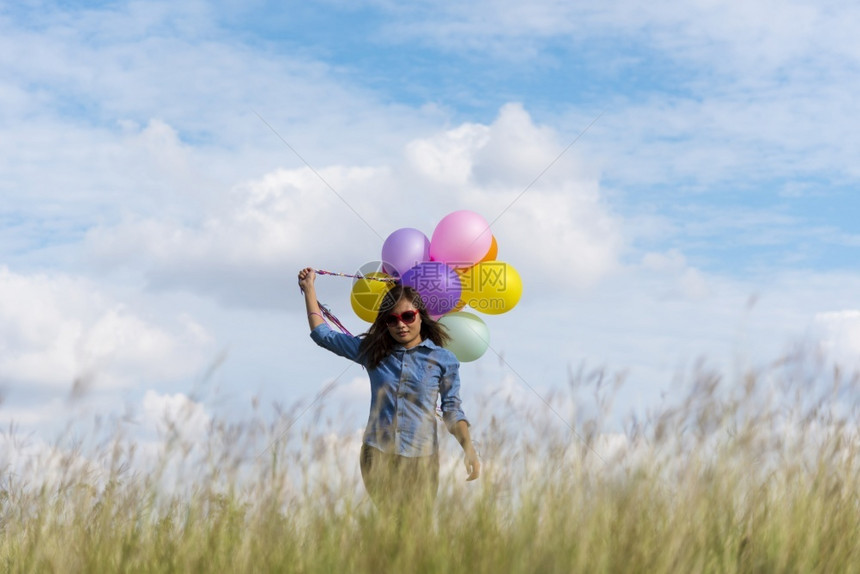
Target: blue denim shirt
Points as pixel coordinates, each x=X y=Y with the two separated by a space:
x=404 y=389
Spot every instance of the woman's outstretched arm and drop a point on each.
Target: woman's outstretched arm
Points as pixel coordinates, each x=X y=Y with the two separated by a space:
x=306 y=283
x=473 y=463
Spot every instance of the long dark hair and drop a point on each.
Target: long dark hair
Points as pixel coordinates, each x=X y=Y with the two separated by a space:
x=377 y=343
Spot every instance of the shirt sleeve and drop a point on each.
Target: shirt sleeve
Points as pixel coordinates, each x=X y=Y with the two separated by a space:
x=449 y=391
x=338 y=343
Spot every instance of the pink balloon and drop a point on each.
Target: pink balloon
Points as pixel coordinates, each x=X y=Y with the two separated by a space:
x=403 y=250
x=461 y=239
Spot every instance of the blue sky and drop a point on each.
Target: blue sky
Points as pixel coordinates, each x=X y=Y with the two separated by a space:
x=152 y=219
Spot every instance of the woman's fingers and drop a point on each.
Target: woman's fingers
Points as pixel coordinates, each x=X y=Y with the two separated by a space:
x=473 y=467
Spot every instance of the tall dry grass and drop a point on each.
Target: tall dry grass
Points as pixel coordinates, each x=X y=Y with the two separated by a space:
x=754 y=474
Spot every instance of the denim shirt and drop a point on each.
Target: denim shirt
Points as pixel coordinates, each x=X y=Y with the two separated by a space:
x=404 y=389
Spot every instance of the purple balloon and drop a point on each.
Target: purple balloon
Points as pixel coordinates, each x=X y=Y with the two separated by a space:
x=437 y=283
x=403 y=250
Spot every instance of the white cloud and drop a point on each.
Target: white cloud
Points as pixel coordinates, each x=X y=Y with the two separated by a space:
x=510 y=153
x=139 y=110
x=518 y=151
x=839 y=336
x=58 y=331
x=446 y=158
x=711 y=92
x=679 y=279
x=763 y=36
x=545 y=206
x=143 y=143
x=244 y=250
x=168 y=437
x=175 y=414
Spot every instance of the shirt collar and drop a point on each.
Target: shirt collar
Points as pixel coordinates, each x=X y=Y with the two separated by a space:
x=424 y=343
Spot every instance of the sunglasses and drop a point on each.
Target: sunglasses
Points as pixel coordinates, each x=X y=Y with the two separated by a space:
x=408 y=317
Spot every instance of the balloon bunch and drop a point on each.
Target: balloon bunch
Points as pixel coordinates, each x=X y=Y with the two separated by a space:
x=455 y=268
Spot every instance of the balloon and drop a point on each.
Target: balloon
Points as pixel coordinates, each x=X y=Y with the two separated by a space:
x=460 y=304
x=465 y=277
x=492 y=253
x=470 y=336
x=367 y=295
x=461 y=239
x=491 y=287
x=404 y=249
x=437 y=283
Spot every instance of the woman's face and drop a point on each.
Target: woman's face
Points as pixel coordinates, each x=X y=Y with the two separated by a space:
x=405 y=333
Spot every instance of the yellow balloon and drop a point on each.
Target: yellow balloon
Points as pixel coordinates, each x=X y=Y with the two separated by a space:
x=491 y=287
x=367 y=295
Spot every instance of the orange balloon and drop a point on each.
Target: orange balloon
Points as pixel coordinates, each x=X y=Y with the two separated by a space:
x=492 y=253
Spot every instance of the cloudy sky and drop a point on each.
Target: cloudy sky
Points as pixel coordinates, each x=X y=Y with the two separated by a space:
x=676 y=184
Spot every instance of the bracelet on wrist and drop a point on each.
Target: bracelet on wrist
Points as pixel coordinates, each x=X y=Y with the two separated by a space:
x=317 y=314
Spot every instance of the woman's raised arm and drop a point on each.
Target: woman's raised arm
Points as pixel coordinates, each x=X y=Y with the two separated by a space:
x=306 y=284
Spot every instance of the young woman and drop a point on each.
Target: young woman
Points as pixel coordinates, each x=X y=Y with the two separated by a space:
x=408 y=370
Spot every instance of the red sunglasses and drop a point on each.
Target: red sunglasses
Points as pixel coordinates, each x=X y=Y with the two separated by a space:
x=408 y=317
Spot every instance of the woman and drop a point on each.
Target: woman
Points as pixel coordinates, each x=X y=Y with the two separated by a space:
x=408 y=369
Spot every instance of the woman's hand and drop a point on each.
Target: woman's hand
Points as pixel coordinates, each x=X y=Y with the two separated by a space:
x=306 y=284
x=473 y=463
x=306 y=278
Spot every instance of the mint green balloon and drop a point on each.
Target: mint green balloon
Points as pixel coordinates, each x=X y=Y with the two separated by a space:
x=470 y=336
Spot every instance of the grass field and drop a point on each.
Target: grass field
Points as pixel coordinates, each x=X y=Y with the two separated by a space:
x=758 y=474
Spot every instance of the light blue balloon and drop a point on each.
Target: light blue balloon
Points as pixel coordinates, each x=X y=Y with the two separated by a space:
x=470 y=336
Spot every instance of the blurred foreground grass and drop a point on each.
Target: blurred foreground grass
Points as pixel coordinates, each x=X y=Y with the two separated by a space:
x=760 y=475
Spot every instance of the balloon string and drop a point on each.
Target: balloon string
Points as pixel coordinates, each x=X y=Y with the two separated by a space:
x=330 y=316
x=327 y=312
x=357 y=276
